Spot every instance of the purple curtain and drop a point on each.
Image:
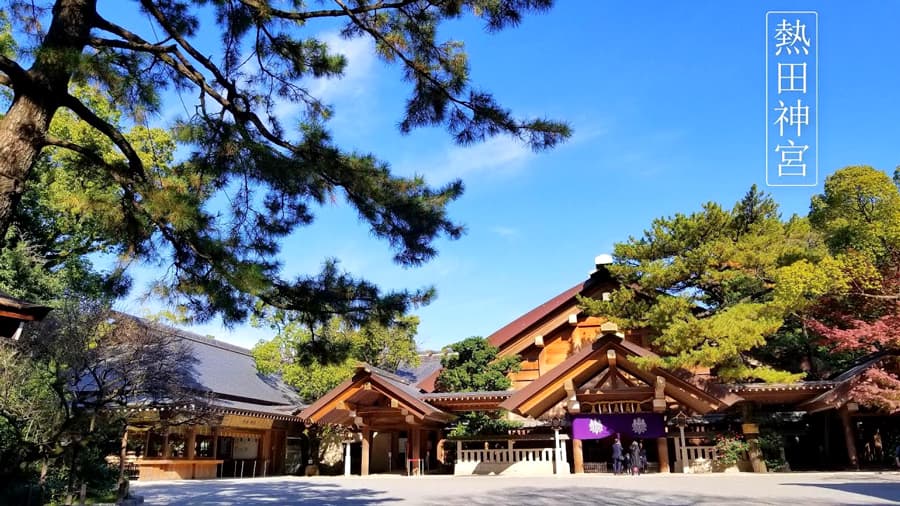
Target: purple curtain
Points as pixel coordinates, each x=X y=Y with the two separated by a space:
x=628 y=425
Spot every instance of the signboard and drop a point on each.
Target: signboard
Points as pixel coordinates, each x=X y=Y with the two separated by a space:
x=627 y=425
x=246 y=422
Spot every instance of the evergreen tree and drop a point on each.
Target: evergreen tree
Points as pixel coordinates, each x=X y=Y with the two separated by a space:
x=716 y=284
x=316 y=359
x=472 y=365
x=223 y=260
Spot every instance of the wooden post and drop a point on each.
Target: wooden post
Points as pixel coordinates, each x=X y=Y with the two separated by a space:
x=416 y=452
x=577 y=456
x=662 y=449
x=191 y=451
x=265 y=450
x=166 y=451
x=849 y=437
x=751 y=434
x=395 y=450
x=366 y=441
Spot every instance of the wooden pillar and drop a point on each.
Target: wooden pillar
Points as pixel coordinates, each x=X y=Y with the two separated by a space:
x=146 y=443
x=395 y=451
x=577 y=456
x=215 y=442
x=416 y=448
x=366 y=441
x=751 y=434
x=662 y=449
x=849 y=437
x=191 y=450
x=265 y=453
x=166 y=451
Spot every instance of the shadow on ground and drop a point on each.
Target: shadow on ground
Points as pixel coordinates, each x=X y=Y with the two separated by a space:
x=534 y=496
x=884 y=491
x=256 y=492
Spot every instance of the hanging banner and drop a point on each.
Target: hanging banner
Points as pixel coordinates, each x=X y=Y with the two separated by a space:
x=627 y=425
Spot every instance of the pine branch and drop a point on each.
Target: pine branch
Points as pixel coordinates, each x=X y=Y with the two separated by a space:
x=332 y=13
x=99 y=42
x=135 y=165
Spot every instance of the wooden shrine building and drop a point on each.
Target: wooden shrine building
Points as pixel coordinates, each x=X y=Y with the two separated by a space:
x=247 y=428
x=581 y=376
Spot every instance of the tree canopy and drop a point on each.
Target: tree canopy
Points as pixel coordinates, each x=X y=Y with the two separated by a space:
x=714 y=285
x=140 y=202
x=472 y=365
x=315 y=360
x=858 y=213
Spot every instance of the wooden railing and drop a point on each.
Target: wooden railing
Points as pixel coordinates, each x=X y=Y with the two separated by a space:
x=507 y=456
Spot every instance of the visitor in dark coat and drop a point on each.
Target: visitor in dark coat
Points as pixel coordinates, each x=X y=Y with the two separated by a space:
x=617 y=456
x=635 y=451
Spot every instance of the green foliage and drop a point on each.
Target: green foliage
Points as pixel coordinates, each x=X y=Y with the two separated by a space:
x=771 y=444
x=859 y=211
x=480 y=423
x=316 y=359
x=250 y=175
x=716 y=284
x=472 y=365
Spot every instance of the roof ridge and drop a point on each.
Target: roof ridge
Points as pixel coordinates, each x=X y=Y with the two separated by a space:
x=191 y=336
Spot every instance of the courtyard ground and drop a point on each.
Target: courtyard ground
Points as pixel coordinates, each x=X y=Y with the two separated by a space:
x=795 y=489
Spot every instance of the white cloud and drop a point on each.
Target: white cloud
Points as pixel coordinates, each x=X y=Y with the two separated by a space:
x=358 y=74
x=499 y=156
x=506 y=232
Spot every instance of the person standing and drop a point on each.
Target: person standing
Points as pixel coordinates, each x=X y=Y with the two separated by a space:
x=643 y=457
x=617 y=456
x=635 y=451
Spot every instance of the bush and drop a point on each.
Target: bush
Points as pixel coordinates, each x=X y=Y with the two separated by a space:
x=731 y=449
x=772 y=445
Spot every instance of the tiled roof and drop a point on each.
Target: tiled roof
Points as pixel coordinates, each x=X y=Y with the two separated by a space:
x=229 y=371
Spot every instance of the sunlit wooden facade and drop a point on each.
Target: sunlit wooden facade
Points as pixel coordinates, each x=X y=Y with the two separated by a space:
x=578 y=369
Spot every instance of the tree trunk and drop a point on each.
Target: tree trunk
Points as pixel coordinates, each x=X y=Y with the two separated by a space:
x=123 y=452
x=37 y=96
x=21 y=135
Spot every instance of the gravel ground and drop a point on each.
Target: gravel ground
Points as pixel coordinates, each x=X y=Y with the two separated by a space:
x=796 y=489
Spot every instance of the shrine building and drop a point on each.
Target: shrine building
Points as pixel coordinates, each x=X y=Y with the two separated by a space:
x=578 y=387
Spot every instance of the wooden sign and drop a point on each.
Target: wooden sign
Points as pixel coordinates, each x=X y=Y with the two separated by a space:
x=246 y=422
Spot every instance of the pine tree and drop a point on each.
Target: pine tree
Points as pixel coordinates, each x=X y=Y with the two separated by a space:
x=274 y=177
x=714 y=285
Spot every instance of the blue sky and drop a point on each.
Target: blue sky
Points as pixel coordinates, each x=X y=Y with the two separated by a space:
x=667 y=100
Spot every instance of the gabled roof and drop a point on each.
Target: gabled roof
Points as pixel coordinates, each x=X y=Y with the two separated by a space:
x=591 y=359
x=332 y=407
x=522 y=323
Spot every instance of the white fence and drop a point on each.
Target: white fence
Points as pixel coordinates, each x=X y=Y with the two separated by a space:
x=507 y=456
x=509 y=460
